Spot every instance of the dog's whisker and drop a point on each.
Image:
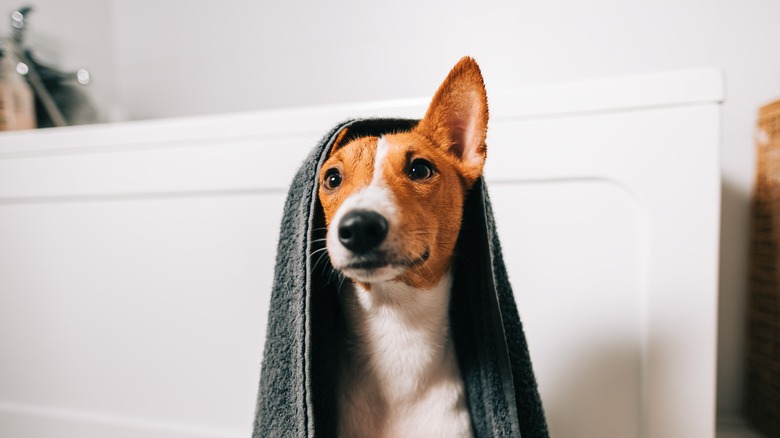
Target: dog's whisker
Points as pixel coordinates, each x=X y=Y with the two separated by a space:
x=319 y=250
x=323 y=255
x=332 y=275
x=341 y=283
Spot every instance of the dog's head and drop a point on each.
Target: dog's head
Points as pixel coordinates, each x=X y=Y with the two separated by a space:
x=393 y=204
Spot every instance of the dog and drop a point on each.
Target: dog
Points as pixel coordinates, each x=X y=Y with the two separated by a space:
x=393 y=209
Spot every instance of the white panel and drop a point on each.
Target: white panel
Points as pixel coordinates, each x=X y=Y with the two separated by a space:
x=666 y=159
x=146 y=312
x=573 y=252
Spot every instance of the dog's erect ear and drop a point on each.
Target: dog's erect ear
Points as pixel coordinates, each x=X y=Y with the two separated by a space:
x=458 y=116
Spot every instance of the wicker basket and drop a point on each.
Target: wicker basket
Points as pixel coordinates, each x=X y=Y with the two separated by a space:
x=763 y=378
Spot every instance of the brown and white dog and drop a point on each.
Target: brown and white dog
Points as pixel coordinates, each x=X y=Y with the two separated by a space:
x=393 y=208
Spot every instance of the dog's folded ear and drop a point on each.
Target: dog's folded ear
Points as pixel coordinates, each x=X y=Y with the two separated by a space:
x=458 y=116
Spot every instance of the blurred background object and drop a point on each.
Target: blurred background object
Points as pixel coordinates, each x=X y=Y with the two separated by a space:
x=763 y=371
x=17 y=103
x=58 y=95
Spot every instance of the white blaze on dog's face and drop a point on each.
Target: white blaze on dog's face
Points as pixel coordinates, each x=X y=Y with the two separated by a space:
x=393 y=205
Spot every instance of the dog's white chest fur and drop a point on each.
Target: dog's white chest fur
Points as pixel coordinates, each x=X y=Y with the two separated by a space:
x=399 y=375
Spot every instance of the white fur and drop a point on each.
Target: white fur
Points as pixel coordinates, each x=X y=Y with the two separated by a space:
x=382 y=147
x=399 y=376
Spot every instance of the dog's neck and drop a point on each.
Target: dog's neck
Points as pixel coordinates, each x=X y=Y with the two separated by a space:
x=398 y=333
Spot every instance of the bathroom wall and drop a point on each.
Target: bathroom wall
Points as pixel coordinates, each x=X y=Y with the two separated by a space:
x=156 y=59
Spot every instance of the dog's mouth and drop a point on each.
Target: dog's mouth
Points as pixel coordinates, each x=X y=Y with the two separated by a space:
x=381 y=260
x=381 y=265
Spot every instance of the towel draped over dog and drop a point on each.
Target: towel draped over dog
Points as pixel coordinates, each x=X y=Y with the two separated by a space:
x=298 y=394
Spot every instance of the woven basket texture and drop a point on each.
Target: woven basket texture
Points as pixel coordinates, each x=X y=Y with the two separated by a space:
x=762 y=405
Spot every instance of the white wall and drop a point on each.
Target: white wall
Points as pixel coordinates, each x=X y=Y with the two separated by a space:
x=182 y=57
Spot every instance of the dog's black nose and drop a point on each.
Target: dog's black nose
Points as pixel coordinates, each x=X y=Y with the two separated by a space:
x=362 y=230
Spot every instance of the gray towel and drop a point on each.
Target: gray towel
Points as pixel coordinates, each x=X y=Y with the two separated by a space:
x=297 y=395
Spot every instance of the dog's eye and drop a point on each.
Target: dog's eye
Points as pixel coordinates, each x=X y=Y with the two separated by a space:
x=332 y=179
x=420 y=169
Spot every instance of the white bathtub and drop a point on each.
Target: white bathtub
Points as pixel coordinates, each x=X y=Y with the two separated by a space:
x=136 y=259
